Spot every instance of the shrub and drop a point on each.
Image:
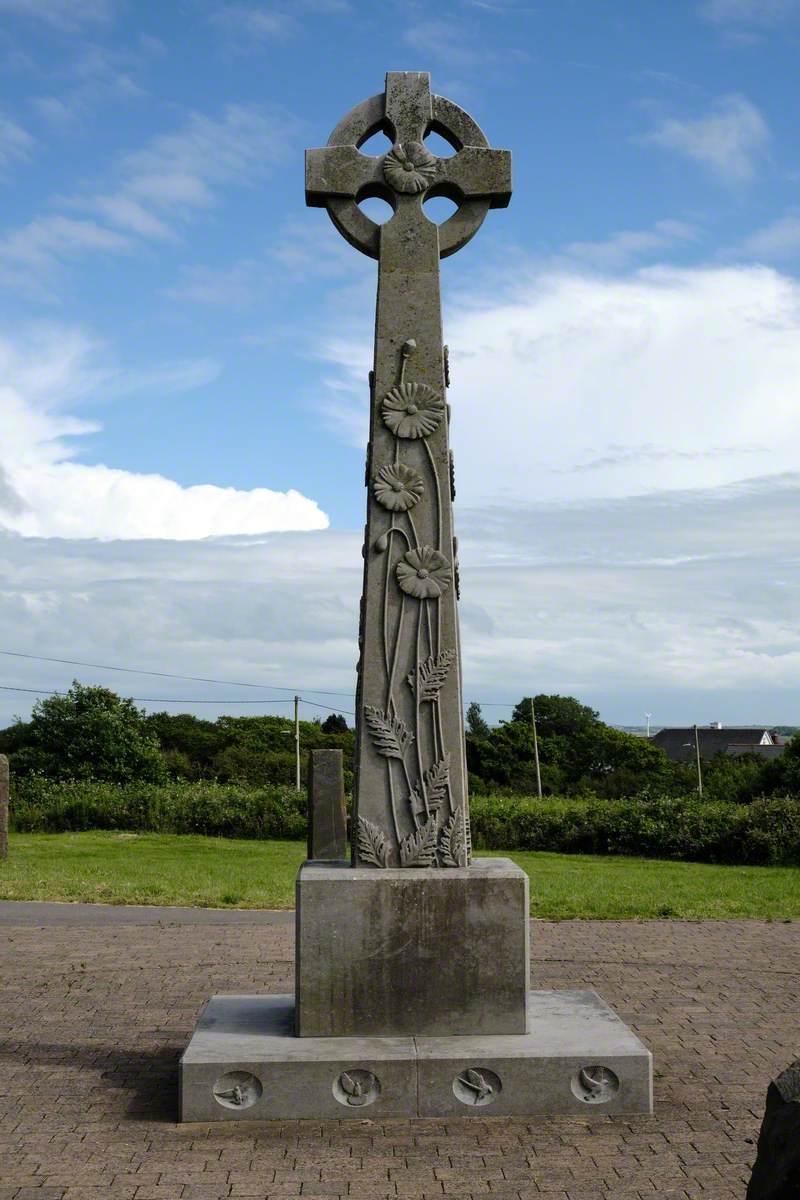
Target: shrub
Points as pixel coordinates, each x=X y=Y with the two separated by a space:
x=766 y=831
x=221 y=810
x=680 y=827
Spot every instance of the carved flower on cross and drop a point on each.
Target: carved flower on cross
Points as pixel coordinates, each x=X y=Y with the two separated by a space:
x=424 y=573
x=412 y=410
x=410 y=167
x=397 y=487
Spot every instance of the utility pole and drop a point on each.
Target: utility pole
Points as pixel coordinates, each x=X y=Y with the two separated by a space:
x=536 y=751
x=297 y=742
x=699 y=769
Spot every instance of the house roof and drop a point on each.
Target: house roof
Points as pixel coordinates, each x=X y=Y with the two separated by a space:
x=774 y=751
x=678 y=743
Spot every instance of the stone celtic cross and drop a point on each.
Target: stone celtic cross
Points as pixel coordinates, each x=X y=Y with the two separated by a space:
x=411 y=803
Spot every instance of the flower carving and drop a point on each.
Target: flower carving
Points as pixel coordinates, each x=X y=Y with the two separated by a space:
x=424 y=573
x=397 y=487
x=412 y=410
x=410 y=167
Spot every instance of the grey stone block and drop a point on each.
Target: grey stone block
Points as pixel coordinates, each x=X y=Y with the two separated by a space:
x=327 y=817
x=577 y=1055
x=244 y=1063
x=397 y=952
x=246 y=1042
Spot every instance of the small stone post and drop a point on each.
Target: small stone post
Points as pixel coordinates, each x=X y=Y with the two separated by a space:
x=327 y=819
x=3 y=806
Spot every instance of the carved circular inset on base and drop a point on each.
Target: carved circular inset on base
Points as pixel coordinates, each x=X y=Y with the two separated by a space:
x=356 y=1088
x=237 y=1089
x=595 y=1084
x=477 y=1086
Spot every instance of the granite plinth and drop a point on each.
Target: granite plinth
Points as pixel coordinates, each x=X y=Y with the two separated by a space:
x=244 y=1063
x=401 y=952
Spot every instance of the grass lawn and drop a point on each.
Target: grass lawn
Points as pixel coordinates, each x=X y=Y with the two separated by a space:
x=125 y=868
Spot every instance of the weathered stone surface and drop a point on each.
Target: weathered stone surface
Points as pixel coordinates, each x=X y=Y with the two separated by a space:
x=577 y=1059
x=410 y=803
x=327 y=816
x=776 y=1172
x=247 y=1042
x=393 y=952
x=3 y=806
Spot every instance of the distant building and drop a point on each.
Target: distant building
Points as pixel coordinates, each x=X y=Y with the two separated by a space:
x=678 y=744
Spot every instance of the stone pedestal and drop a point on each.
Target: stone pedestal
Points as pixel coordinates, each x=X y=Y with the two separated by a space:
x=412 y=1000
x=412 y=952
x=244 y=1063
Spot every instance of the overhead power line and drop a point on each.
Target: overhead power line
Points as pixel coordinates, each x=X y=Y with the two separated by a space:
x=181 y=700
x=74 y=662
x=145 y=699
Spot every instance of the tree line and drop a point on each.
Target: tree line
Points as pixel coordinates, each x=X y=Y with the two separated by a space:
x=92 y=733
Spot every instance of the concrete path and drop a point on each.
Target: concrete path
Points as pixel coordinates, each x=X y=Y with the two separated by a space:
x=36 y=912
x=94 y=1016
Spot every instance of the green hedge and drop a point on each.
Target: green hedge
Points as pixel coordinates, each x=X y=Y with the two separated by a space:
x=215 y=809
x=764 y=831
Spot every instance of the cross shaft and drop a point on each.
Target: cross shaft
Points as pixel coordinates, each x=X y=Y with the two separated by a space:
x=411 y=803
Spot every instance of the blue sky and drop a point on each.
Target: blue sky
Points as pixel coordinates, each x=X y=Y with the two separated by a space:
x=184 y=346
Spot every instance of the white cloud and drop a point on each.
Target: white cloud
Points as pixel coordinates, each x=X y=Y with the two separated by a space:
x=178 y=173
x=689 y=599
x=35 y=245
x=615 y=542
x=748 y=12
x=261 y=24
x=780 y=239
x=46 y=493
x=629 y=244
x=15 y=142
x=97 y=76
x=576 y=386
x=444 y=40
x=729 y=140
x=161 y=186
x=67 y=15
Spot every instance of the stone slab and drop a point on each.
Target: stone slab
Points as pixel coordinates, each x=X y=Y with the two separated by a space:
x=401 y=952
x=52 y=912
x=327 y=816
x=577 y=1055
x=252 y=1036
x=578 y=1058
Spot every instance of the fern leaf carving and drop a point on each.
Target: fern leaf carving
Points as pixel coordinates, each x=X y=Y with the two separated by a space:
x=451 y=843
x=390 y=734
x=372 y=845
x=436 y=779
x=432 y=674
x=419 y=848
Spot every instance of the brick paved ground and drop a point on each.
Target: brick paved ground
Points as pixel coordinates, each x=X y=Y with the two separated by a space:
x=95 y=1017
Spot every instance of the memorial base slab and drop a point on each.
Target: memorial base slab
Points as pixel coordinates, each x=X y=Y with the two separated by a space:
x=245 y=1063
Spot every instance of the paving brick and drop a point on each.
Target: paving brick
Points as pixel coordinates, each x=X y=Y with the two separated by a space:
x=89 y=1072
